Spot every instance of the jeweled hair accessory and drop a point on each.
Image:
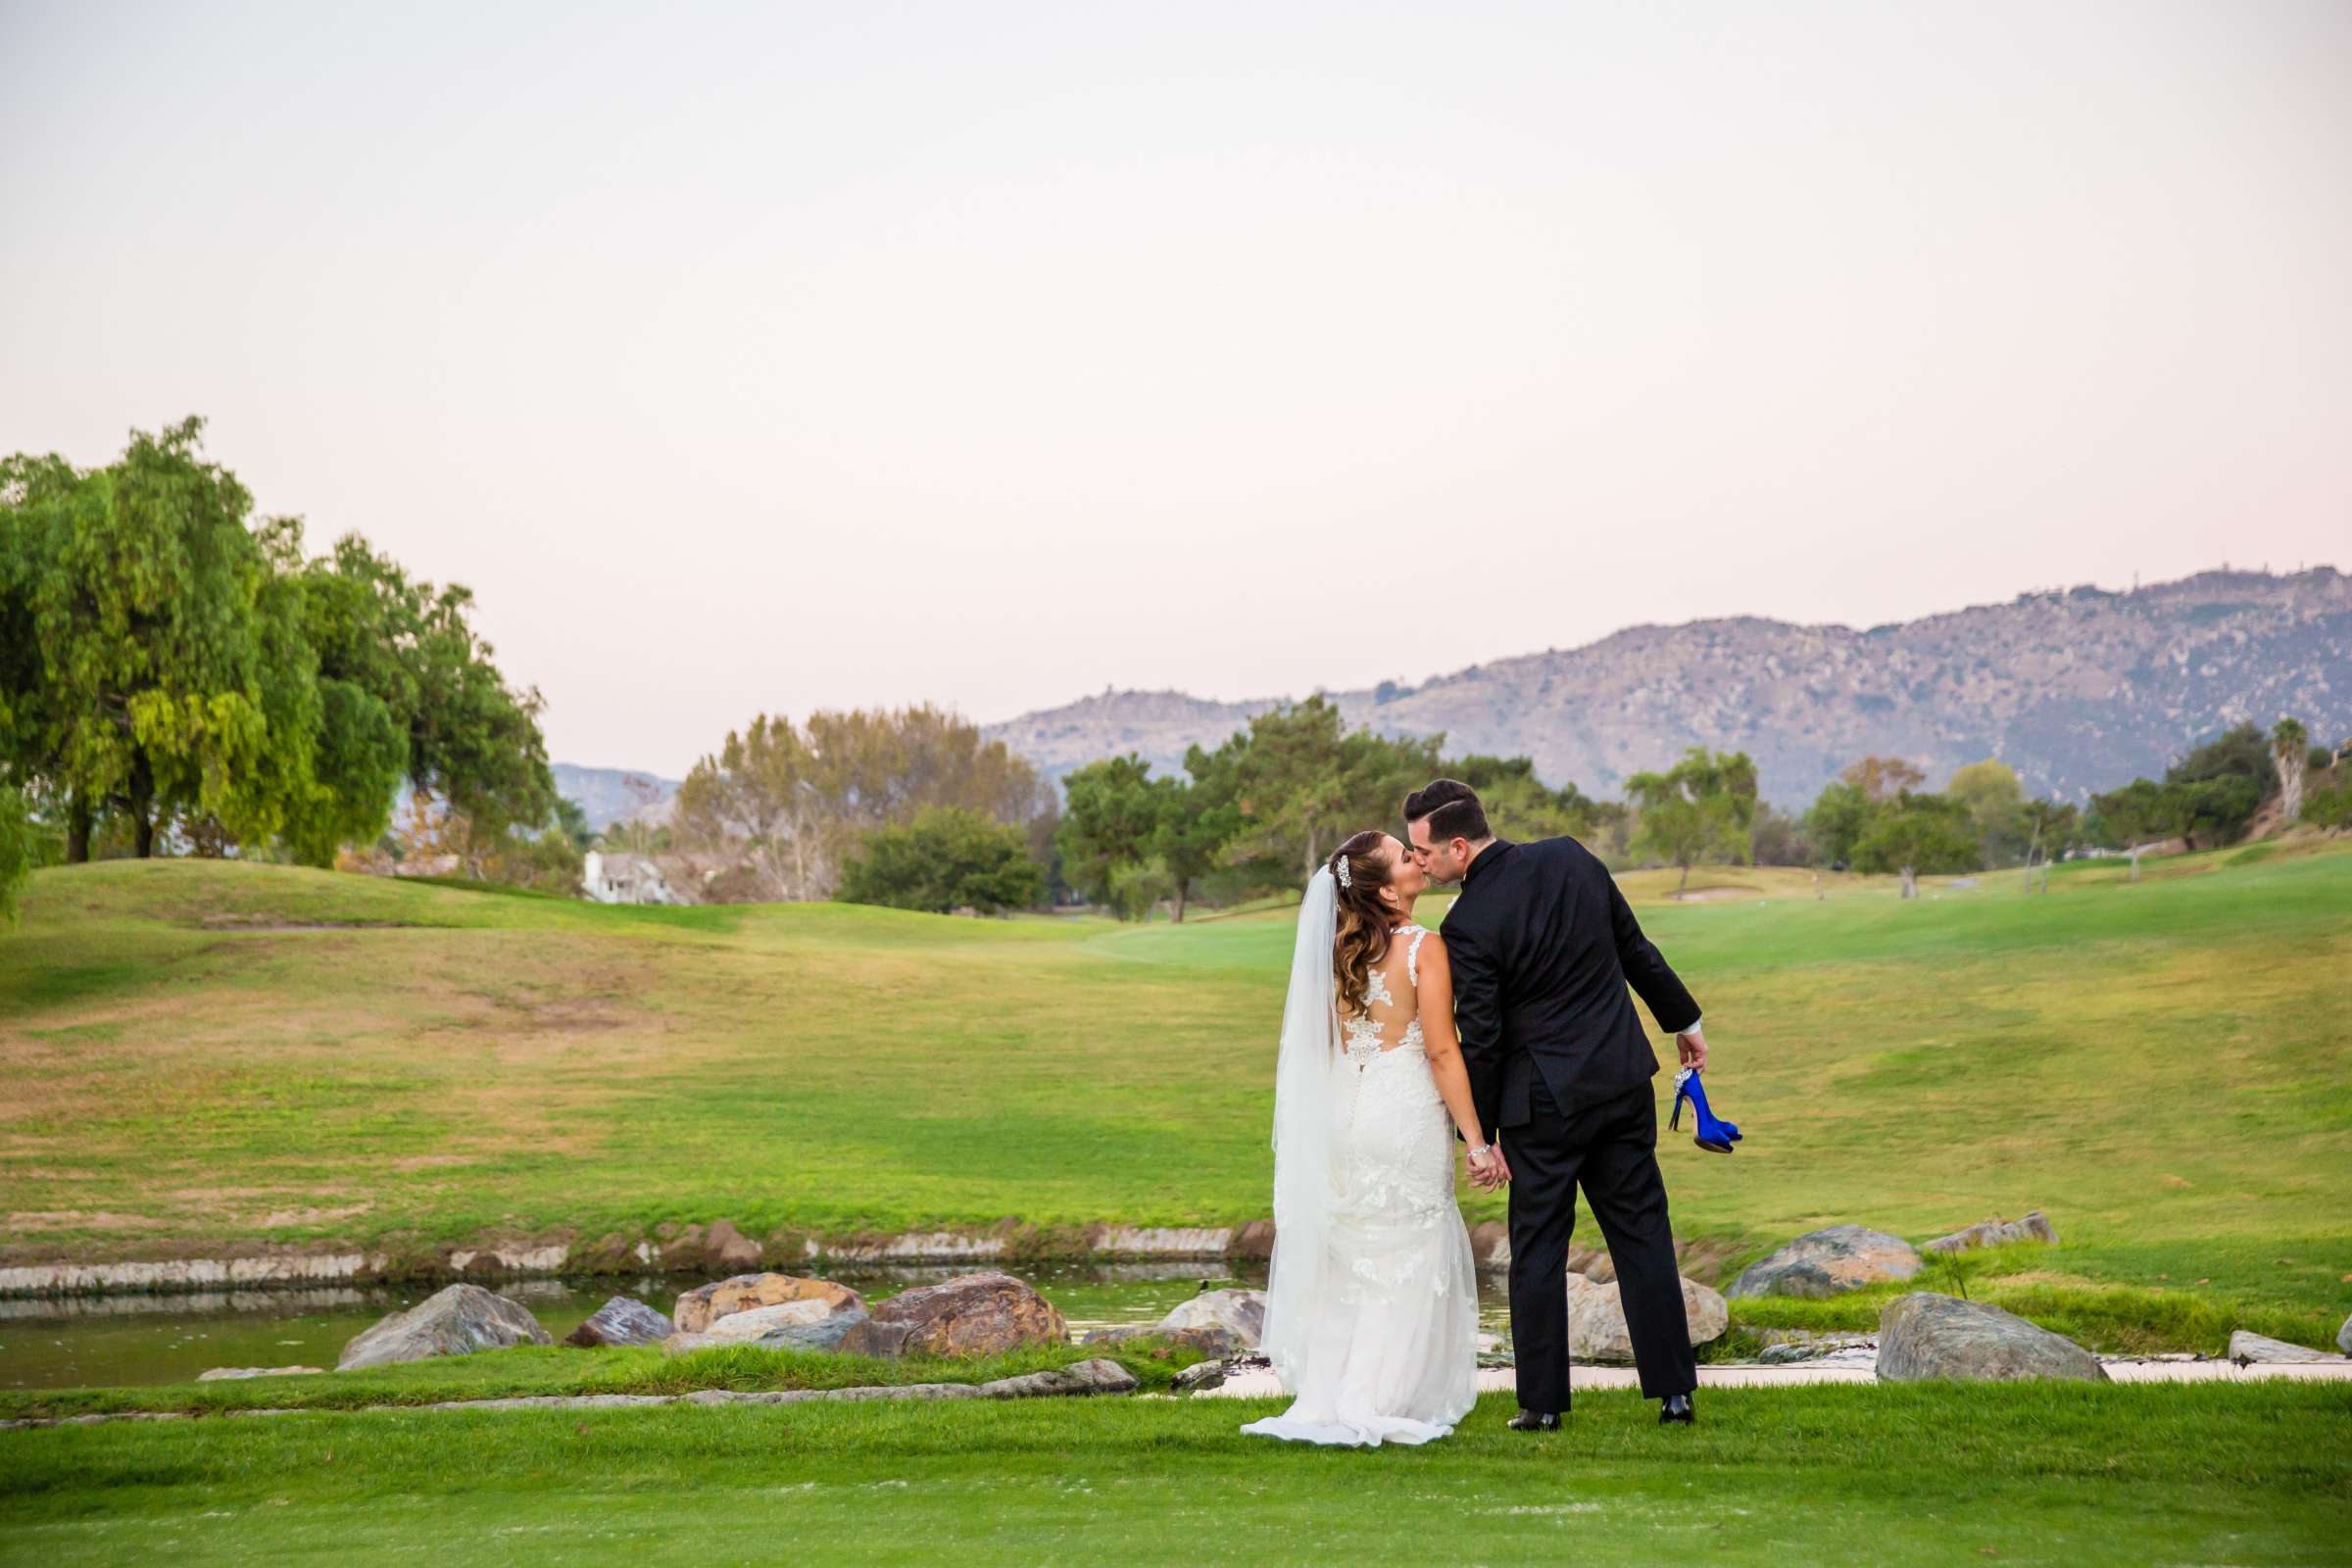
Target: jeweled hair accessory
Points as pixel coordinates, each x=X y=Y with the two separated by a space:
x=1340 y=869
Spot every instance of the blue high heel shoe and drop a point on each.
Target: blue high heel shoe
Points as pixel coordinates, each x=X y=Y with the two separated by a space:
x=1715 y=1135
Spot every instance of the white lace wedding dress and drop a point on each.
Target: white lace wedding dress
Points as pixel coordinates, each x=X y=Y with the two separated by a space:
x=1383 y=1348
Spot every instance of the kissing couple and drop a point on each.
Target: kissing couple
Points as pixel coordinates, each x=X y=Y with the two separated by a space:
x=1511 y=1027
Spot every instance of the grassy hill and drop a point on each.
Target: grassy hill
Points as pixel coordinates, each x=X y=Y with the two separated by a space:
x=201 y=1052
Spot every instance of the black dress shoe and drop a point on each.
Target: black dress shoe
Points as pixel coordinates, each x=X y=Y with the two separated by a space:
x=1676 y=1411
x=1534 y=1421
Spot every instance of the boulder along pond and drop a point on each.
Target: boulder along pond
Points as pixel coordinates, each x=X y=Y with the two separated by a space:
x=62 y=1342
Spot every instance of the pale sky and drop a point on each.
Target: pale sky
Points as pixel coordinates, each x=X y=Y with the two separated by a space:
x=769 y=358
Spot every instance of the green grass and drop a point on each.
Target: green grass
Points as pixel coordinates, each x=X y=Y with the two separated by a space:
x=2057 y=1474
x=198 y=1054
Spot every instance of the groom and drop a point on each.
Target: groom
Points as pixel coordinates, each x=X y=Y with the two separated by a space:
x=1543 y=946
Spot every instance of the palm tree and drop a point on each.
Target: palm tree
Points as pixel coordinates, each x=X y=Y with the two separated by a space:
x=2293 y=749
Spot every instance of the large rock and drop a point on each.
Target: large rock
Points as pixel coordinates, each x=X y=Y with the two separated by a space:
x=1597 y=1330
x=1242 y=1313
x=2343 y=1337
x=716 y=1246
x=457 y=1321
x=2034 y=1227
x=971 y=1314
x=2245 y=1347
x=1254 y=1240
x=1490 y=1244
x=789 y=1329
x=622 y=1320
x=1080 y=1378
x=221 y=1374
x=1924 y=1335
x=1202 y=1376
x=705 y=1304
x=1218 y=1342
x=1840 y=1348
x=1829 y=1262
x=757 y=1322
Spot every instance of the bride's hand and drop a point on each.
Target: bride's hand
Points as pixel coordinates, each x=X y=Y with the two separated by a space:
x=1489 y=1170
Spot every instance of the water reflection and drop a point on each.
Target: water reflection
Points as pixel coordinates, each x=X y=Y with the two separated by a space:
x=67 y=1342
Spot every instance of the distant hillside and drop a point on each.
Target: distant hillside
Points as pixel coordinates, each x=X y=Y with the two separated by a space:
x=611 y=794
x=1159 y=726
x=2078 y=690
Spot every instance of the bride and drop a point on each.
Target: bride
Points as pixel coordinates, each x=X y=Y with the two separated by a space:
x=1372 y=1298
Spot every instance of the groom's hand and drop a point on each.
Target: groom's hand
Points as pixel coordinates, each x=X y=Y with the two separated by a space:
x=1692 y=1049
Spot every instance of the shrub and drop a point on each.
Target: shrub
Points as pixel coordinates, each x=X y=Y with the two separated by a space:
x=945 y=859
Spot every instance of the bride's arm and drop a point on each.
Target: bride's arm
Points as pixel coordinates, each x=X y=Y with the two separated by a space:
x=1444 y=1047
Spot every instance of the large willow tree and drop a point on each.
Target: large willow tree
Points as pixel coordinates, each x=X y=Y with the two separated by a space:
x=166 y=657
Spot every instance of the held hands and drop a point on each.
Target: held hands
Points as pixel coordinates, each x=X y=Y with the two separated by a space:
x=1490 y=1170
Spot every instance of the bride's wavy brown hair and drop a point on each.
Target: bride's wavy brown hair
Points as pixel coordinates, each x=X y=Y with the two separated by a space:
x=1365 y=922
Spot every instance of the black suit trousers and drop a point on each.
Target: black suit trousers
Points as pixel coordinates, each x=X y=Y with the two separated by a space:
x=1610 y=1148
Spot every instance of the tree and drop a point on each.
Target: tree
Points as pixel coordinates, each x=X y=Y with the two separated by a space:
x=139 y=583
x=1137 y=889
x=635 y=833
x=2240 y=752
x=2329 y=808
x=947 y=857
x=2049 y=830
x=166 y=660
x=1296 y=782
x=1779 y=839
x=1520 y=807
x=1836 y=820
x=357 y=618
x=793 y=800
x=1190 y=841
x=1112 y=813
x=1883 y=778
x=2291 y=756
x=1702 y=807
x=16 y=850
x=571 y=820
x=410 y=689
x=1284 y=780
x=2216 y=810
x=2130 y=819
x=1913 y=834
x=1994 y=800
x=760 y=795
x=550 y=860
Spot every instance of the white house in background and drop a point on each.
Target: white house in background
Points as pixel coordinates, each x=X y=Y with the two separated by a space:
x=625 y=879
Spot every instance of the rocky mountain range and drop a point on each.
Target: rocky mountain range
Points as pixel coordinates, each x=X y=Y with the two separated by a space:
x=2078 y=689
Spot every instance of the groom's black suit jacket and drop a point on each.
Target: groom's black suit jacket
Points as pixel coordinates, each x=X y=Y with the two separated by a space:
x=1543 y=946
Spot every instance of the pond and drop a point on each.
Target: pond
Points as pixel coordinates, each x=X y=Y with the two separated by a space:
x=112 y=1341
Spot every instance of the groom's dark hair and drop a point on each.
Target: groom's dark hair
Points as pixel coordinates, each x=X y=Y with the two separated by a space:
x=1451 y=807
